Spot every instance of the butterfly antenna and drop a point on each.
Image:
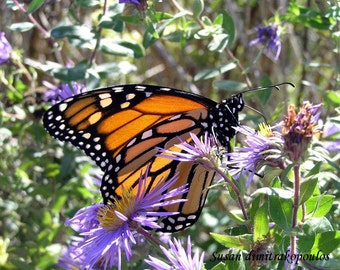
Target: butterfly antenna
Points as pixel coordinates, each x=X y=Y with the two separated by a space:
x=276 y=86
x=254 y=110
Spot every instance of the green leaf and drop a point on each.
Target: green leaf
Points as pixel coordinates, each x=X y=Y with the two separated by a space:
x=198 y=7
x=21 y=27
x=34 y=5
x=115 y=49
x=213 y=72
x=218 y=43
x=264 y=96
x=115 y=23
x=242 y=242
x=46 y=218
x=148 y=39
x=332 y=98
x=135 y=19
x=277 y=192
x=121 y=48
x=235 y=263
x=255 y=205
x=88 y=3
x=138 y=50
x=280 y=211
x=115 y=69
x=72 y=31
x=307 y=189
x=326 y=242
x=229 y=28
x=261 y=224
x=317 y=225
x=318 y=206
x=315 y=170
x=150 y=28
x=228 y=85
x=219 y=266
x=59 y=202
x=305 y=242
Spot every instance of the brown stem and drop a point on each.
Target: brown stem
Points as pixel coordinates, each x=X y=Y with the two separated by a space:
x=94 y=52
x=295 y=206
x=51 y=40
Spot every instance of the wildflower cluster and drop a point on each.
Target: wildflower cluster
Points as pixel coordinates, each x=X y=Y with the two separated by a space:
x=178 y=257
x=273 y=148
x=263 y=148
x=122 y=131
x=109 y=230
x=63 y=91
x=298 y=130
x=141 y=5
x=5 y=49
x=269 y=36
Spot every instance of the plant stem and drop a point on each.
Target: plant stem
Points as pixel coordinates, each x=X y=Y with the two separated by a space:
x=237 y=192
x=295 y=206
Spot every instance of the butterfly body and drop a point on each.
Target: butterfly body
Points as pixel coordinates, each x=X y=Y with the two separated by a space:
x=121 y=127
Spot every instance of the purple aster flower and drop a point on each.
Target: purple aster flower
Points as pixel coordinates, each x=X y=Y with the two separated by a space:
x=5 y=49
x=85 y=219
x=298 y=130
x=202 y=151
x=263 y=148
x=331 y=136
x=270 y=37
x=63 y=91
x=141 y=5
x=110 y=230
x=178 y=257
x=71 y=257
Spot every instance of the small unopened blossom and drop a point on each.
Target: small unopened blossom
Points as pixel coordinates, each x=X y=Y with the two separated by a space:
x=258 y=255
x=202 y=151
x=269 y=36
x=298 y=130
x=55 y=94
x=262 y=148
x=5 y=49
x=110 y=230
x=177 y=257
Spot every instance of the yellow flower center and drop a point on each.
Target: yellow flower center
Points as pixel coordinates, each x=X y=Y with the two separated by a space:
x=107 y=216
x=265 y=130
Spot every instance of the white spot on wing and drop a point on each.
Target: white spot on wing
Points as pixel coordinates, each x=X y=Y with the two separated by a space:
x=179 y=227
x=140 y=88
x=147 y=134
x=104 y=96
x=62 y=107
x=132 y=142
x=130 y=96
x=87 y=135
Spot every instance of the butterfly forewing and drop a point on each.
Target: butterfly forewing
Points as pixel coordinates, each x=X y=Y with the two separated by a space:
x=121 y=127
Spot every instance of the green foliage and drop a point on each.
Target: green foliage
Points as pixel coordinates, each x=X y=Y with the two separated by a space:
x=200 y=46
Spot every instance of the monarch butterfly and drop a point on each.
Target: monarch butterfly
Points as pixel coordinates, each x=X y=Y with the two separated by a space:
x=120 y=128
